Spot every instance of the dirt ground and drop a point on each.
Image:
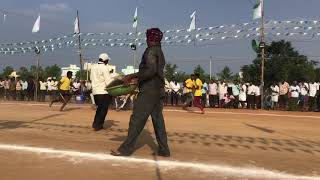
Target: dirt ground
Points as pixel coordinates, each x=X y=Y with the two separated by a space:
x=221 y=144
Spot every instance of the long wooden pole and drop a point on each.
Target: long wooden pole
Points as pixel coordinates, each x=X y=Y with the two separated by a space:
x=262 y=42
x=80 y=53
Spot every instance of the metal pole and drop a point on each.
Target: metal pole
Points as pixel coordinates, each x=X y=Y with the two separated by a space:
x=135 y=50
x=37 y=76
x=210 y=67
x=80 y=55
x=262 y=54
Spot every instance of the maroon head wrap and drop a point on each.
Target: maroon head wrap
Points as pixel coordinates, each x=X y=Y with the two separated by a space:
x=154 y=35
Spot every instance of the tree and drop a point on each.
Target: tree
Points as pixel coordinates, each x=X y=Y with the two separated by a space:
x=24 y=73
x=225 y=74
x=52 y=71
x=181 y=76
x=7 y=71
x=83 y=75
x=169 y=71
x=33 y=71
x=203 y=76
x=283 y=62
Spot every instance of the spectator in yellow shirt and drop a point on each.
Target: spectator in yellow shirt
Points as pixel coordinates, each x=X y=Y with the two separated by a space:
x=198 y=93
x=64 y=91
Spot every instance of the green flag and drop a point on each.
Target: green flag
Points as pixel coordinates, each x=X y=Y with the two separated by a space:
x=257 y=10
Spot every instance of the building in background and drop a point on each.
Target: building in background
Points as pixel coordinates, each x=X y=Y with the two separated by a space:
x=73 y=68
x=129 y=70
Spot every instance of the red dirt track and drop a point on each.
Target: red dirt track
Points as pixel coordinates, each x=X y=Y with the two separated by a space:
x=287 y=142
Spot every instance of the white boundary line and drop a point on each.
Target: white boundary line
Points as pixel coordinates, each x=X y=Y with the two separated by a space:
x=165 y=164
x=181 y=111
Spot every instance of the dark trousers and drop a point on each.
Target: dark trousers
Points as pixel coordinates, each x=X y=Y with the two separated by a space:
x=312 y=103
x=257 y=100
x=204 y=100
x=236 y=102
x=174 y=98
x=197 y=102
x=251 y=102
x=102 y=101
x=144 y=106
x=213 y=100
x=283 y=102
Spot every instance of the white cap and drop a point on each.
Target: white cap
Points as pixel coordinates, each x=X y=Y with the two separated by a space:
x=104 y=57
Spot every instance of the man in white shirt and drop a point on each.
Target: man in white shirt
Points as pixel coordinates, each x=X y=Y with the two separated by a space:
x=313 y=88
x=175 y=88
x=213 y=94
x=100 y=78
x=304 y=92
x=24 y=89
x=243 y=95
x=295 y=92
x=275 y=90
x=43 y=89
x=257 y=98
x=251 y=96
x=223 y=90
x=204 y=93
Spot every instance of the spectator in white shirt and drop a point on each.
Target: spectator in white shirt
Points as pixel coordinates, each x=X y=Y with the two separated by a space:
x=43 y=89
x=223 y=90
x=213 y=94
x=204 y=91
x=275 y=90
x=294 y=96
x=251 y=96
x=243 y=95
x=100 y=77
x=24 y=89
x=175 y=88
x=257 y=98
x=304 y=98
x=313 y=88
x=167 y=90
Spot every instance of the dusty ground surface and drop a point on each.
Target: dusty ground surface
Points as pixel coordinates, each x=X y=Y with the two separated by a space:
x=222 y=144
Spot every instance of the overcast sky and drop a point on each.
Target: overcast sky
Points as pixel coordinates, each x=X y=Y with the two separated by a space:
x=57 y=19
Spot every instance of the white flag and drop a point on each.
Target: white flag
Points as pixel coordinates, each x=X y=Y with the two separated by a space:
x=36 y=26
x=257 y=10
x=193 y=22
x=76 y=26
x=4 y=18
x=135 y=19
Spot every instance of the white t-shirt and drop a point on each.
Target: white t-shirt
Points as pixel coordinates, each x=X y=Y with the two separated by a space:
x=100 y=78
x=295 y=90
x=304 y=89
x=213 y=89
x=313 y=89
x=43 y=86
x=251 y=90
x=257 y=91
x=174 y=87
x=275 y=90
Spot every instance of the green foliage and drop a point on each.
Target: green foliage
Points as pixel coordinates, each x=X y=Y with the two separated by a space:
x=52 y=71
x=282 y=63
x=83 y=75
x=7 y=71
x=170 y=70
x=225 y=74
x=24 y=73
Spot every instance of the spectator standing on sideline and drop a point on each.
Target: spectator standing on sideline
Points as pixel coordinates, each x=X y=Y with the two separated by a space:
x=251 y=96
x=213 y=94
x=204 y=94
x=167 y=91
x=1 y=88
x=235 y=92
x=257 y=98
x=12 y=89
x=243 y=95
x=24 y=89
x=7 y=88
x=31 y=89
x=304 y=98
x=283 y=95
x=312 y=96
x=175 y=88
x=43 y=89
x=18 y=90
x=223 y=90
x=294 y=96
x=275 y=90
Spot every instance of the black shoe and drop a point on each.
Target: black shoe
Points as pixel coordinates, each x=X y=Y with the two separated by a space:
x=163 y=154
x=98 y=129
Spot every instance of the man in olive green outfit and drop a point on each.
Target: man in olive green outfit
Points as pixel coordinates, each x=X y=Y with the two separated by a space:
x=150 y=97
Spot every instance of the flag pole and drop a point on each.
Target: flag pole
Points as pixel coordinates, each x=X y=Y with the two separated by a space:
x=135 y=51
x=79 y=50
x=262 y=46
